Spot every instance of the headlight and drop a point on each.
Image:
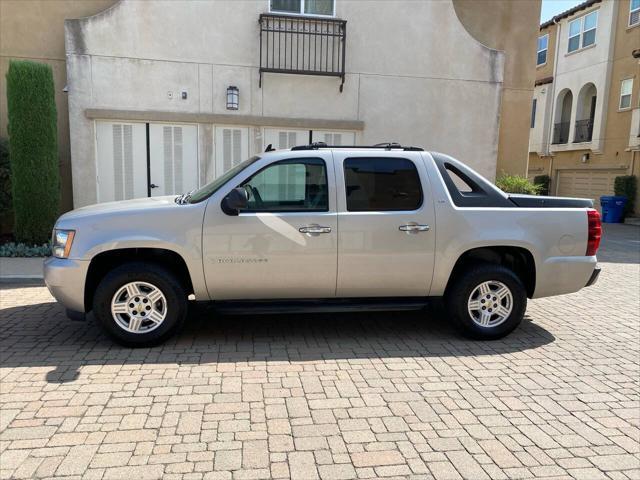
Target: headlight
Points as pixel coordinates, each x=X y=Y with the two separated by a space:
x=62 y=240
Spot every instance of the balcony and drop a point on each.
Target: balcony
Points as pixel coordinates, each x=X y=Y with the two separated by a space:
x=584 y=130
x=302 y=45
x=561 y=133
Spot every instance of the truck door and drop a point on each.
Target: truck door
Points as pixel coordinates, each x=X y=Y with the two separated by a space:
x=284 y=245
x=385 y=224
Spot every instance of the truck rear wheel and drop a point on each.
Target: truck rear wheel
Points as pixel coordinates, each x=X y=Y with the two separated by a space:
x=487 y=301
x=140 y=304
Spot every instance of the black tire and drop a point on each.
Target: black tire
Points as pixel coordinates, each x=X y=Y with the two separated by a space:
x=164 y=280
x=463 y=286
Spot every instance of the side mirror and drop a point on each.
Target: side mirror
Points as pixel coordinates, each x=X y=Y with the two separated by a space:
x=236 y=200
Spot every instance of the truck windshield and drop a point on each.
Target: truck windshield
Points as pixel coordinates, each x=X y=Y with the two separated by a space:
x=210 y=188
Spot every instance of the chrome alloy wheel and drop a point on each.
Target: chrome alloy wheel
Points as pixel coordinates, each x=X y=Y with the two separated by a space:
x=490 y=303
x=139 y=307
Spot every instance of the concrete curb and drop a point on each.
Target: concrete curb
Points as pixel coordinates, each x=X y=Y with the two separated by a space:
x=21 y=269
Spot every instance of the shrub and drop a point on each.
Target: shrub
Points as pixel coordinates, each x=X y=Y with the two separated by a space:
x=516 y=184
x=543 y=182
x=5 y=178
x=23 y=250
x=626 y=185
x=33 y=150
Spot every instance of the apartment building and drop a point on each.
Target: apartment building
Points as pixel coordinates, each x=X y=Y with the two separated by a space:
x=585 y=116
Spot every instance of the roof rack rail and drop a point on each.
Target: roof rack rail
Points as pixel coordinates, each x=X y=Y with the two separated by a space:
x=384 y=146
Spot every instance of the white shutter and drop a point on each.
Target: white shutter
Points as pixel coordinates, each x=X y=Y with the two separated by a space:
x=121 y=161
x=174 y=158
x=334 y=138
x=232 y=147
x=283 y=139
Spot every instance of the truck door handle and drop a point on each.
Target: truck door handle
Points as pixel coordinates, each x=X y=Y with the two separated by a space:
x=153 y=185
x=314 y=229
x=413 y=228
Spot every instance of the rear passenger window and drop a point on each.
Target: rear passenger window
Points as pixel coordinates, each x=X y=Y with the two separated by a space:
x=381 y=184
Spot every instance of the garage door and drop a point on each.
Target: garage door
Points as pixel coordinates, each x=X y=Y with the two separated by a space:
x=587 y=183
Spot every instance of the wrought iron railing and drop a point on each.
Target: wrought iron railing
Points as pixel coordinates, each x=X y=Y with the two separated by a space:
x=302 y=45
x=561 y=132
x=584 y=130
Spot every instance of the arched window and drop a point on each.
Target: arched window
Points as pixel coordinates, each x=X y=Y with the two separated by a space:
x=562 y=123
x=586 y=113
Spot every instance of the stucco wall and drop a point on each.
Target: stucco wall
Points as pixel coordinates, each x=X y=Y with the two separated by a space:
x=34 y=30
x=414 y=74
x=512 y=28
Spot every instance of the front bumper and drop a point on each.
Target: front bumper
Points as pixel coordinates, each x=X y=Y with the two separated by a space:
x=65 y=279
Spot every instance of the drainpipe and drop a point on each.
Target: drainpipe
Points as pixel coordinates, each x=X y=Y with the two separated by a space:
x=553 y=186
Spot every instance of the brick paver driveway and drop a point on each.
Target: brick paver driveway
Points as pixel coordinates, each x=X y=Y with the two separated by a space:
x=331 y=396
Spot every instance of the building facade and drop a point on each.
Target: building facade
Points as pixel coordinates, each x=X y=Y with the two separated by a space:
x=34 y=30
x=162 y=101
x=585 y=120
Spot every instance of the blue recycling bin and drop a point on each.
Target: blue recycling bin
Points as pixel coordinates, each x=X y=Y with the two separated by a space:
x=612 y=208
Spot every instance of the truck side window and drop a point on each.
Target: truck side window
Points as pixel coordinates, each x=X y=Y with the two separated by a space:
x=382 y=184
x=289 y=186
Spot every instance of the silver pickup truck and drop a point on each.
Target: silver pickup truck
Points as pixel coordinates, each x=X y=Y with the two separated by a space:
x=326 y=229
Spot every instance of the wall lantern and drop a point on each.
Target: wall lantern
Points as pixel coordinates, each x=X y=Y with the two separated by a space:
x=585 y=158
x=233 y=98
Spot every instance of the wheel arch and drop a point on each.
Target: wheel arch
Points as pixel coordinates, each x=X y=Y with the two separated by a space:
x=518 y=259
x=106 y=261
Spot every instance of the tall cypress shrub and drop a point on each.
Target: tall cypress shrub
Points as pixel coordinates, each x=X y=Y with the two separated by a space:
x=33 y=147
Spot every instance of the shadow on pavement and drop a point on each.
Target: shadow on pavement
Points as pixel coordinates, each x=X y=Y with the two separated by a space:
x=40 y=335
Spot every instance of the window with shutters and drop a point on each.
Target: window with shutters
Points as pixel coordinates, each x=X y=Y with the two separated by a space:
x=337 y=138
x=232 y=148
x=289 y=186
x=173 y=149
x=123 y=161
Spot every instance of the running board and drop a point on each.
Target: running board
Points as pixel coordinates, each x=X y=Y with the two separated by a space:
x=332 y=305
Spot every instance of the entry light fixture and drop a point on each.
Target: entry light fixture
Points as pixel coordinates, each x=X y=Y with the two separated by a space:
x=233 y=98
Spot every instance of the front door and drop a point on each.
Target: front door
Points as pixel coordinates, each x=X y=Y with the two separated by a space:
x=284 y=245
x=173 y=159
x=385 y=238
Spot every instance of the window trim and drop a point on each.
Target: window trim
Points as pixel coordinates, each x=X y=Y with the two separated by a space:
x=302 y=12
x=293 y=160
x=630 y=94
x=346 y=199
x=580 y=35
x=631 y=11
x=534 y=108
x=543 y=50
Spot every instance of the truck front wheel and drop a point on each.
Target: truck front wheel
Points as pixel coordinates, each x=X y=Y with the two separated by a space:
x=140 y=304
x=486 y=301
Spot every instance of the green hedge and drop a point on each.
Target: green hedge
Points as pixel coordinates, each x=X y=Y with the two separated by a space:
x=5 y=178
x=22 y=250
x=626 y=185
x=516 y=184
x=33 y=150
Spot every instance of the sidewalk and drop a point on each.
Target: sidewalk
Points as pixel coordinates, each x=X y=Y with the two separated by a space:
x=20 y=268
